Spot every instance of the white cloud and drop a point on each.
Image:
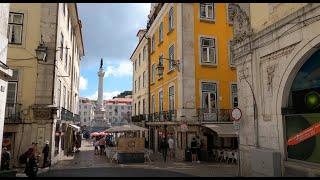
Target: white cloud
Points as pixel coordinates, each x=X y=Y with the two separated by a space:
x=83 y=83
x=124 y=68
x=106 y=95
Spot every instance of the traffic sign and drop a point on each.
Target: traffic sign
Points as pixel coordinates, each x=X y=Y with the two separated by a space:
x=236 y=114
x=184 y=127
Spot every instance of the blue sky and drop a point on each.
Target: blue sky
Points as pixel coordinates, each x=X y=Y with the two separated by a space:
x=109 y=32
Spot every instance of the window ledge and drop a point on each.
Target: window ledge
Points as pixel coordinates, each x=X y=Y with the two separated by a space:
x=160 y=78
x=207 y=20
x=161 y=42
x=170 y=71
x=152 y=83
x=232 y=66
x=170 y=31
x=209 y=64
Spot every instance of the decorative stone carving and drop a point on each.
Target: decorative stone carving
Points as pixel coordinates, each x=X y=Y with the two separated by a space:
x=270 y=75
x=241 y=22
x=42 y=114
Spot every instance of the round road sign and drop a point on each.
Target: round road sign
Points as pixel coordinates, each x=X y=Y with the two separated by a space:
x=236 y=114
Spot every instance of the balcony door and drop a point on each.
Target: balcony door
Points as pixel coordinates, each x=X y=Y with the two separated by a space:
x=209 y=101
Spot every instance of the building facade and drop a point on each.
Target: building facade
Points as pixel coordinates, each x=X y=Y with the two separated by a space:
x=140 y=82
x=86 y=112
x=276 y=51
x=196 y=86
x=118 y=110
x=43 y=93
x=5 y=71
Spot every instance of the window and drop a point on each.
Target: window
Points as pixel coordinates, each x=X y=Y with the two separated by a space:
x=15 y=26
x=144 y=53
x=59 y=94
x=171 y=57
x=143 y=106
x=135 y=109
x=209 y=96
x=208 y=50
x=69 y=69
x=110 y=113
x=143 y=78
x=61 y=46
x=110 y=107
x=171 y=20
x=135 y=86
x=64 y=96
x=139 y=59
x=84 y=120
x=152 y=43
x=153 y=73
x=171 y=98
x=12 y=89
x=66 y=62
x=230 y=54
x=122 y=107
x=68 y=24
x=135 y=65
x=207 y=11
x=152 y=104
x=139 y=82
x=160 y=32
x=139 y=108
x=234 y=95
x=85 y=106
x=160 y=101
x=64 y=8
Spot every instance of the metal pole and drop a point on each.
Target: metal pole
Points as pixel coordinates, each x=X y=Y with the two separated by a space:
x=239 y=170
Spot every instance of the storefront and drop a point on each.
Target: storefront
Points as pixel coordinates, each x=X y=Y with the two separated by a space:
x=302 y=123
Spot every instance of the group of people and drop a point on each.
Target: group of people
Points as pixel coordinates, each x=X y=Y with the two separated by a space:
x=100 y=143
x=165 y=145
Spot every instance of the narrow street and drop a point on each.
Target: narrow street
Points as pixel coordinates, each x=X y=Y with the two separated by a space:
x=86 y=164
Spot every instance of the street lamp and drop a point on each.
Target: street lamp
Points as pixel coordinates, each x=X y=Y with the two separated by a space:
x=160 y=66
x=41 y=51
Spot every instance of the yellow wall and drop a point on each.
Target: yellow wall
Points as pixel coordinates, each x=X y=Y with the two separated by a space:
x=263 y=14
x=30 y=41
x=222 y=73
x=163 y=48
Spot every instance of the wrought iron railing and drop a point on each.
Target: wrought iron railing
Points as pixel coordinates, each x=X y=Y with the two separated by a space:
x=66 y=115
x=12 y=113
x=214 y=115
x=76 y=117
x=139 y=118
x=170 y=115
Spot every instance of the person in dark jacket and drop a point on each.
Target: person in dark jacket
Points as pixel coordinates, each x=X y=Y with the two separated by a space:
x=5 y=159
x=164 y=148
x=45 y=152
x=194 y=149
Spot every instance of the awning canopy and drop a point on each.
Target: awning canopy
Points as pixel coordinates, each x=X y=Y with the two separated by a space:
x=125 y=128
x=77 y=128
x=223 y=130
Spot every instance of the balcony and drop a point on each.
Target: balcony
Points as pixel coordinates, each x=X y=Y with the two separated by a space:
x=66 y=115
x=12 y=113
x=76 y=117
x=139 y=118
x=163 y=116
x=214 y=115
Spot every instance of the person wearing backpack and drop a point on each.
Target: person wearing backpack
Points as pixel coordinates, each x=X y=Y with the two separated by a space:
x=5 y=159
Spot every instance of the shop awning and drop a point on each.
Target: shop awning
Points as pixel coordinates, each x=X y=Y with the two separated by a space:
x=77 y=128
x=223 y=130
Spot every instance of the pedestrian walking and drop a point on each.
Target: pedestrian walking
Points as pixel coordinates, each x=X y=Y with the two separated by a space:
x=194 y=150
x=96 y=144
x=5 y=159
x=171 y=147
x=102 y=144
x=164 y=148
x=45 y=152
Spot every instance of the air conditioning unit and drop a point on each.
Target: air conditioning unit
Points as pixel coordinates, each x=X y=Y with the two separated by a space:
x=265 y=162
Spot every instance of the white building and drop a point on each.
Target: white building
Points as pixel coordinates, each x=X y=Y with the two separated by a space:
x=118 y=110
x=4 y=69
x=86 y=112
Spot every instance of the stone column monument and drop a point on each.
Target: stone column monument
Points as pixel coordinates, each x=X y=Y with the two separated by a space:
x=100 y=122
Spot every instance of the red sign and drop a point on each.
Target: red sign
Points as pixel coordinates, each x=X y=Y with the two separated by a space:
x=305 y=134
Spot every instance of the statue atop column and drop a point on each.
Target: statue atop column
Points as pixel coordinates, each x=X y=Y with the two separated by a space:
x=101 y=63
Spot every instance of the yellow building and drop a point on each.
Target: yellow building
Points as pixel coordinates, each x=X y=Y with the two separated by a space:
x=192 y=80
x=42 y=99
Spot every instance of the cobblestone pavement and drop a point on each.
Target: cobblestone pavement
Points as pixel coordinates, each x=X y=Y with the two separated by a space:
x=86 y=163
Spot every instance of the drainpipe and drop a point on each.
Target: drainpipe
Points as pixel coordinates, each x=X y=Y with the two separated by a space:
x=149 y=94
